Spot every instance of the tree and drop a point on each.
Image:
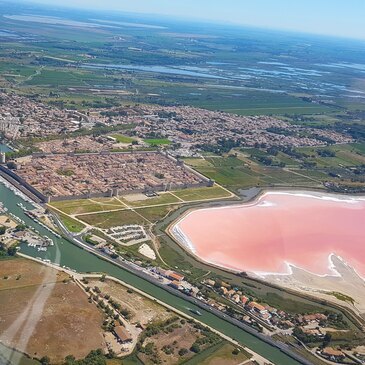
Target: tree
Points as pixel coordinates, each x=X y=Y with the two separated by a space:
x=11 y=165
x=95 y=357
x=70 y=360
x=20 y=227
x=195 y=348
x=2 y=230
x=12 y=251
x=45 y=360
x=183 y=352
x=327 y=339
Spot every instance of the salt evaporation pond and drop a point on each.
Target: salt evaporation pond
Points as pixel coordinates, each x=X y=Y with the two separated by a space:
x=277 y=230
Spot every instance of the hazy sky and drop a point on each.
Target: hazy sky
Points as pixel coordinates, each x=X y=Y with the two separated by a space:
x=334 y=17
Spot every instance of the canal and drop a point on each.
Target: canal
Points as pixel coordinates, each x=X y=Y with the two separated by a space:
x=83 y=261
x=4 y=148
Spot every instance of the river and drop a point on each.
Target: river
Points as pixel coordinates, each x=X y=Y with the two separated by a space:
x=83 y=261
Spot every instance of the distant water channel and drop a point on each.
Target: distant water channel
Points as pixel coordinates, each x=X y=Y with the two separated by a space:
x=83 y=261
x=183 y=71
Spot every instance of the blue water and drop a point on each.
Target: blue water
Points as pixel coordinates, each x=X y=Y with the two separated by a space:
x=4 y=148
x=156 y=69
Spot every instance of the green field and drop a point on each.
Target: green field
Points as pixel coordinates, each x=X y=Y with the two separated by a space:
x=246 y=170
x=229 y=172
x=241 y=101
x=358 y=147
x=162 y=198
x=123 y=139
x=71 y=224
x=127 y=216
x=55 y=56
x=154 y=214
x=214 y=192
x=73 y=207
x=98 y=205
x=345 y=155
x=219 y=354
x=157 y=141
x=113 y=219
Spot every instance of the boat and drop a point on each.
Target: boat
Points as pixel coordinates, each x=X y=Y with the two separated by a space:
x=195 y=312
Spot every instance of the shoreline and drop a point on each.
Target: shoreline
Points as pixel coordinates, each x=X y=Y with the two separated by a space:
x=177 y=234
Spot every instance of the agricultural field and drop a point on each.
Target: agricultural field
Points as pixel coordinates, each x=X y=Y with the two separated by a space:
x=350 y=155
x=214 y=72
x=302 y=167
x=64 y=325
x=228 y=172
x=254 y=103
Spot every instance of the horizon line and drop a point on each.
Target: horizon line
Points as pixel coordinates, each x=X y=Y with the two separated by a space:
x=193 y=20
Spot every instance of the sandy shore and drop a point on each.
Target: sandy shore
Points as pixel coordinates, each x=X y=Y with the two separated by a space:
x=347 y=282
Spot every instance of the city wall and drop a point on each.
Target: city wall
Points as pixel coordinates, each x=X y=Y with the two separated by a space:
x=119 y=192
x=22 y=185
x=13 y=178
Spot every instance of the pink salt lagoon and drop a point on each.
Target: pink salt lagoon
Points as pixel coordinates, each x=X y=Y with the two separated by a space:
x=278 y=230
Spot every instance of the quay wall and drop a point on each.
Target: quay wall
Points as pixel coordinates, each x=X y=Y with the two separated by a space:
x=22 y=185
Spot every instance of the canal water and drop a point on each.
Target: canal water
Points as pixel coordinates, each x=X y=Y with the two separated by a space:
x=4 y=148
x=65 y=253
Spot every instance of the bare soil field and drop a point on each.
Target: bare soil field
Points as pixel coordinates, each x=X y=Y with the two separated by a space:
x=42 y=315
x=21 y=273
x=142 y=310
